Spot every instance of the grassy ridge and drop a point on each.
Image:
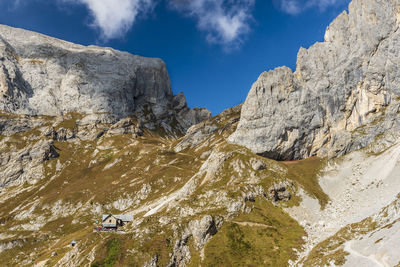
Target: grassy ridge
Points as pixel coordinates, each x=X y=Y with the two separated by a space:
x=238 y=244
x=306 y=173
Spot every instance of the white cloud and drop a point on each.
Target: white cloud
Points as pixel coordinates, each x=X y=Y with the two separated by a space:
x=290 y=6
x=225 y=21
x=114 y=17
x=295 y=7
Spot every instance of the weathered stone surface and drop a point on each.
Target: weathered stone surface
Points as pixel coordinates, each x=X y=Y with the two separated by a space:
x=280 y=192
x=10 y=245
x=201 y=231
x=10 y=126
x=25 y=165
x=258 y=164
x=181 y=253
x=198 y=133
x=46 y=76
x=125 y=126
x=152 y=262
x=195 y=135
x=346 y=82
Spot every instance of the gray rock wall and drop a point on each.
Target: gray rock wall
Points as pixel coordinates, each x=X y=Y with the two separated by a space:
x=40 y=75
x=350 y=80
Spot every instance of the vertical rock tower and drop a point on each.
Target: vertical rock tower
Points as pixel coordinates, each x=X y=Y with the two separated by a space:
x=345 y=91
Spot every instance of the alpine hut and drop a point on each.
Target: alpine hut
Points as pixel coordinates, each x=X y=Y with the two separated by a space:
x=111 y=221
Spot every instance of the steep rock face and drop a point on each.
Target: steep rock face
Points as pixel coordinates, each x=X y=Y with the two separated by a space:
x=25 y=165
x=40 y=75
x=349 y=81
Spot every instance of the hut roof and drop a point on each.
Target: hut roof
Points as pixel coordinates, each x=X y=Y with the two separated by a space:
x=122 y=217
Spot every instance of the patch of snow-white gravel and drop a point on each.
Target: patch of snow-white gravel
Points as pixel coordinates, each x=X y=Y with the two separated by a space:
x=359 y=186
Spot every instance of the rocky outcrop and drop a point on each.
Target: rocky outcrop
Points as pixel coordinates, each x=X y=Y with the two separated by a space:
x=280 y=192
x=125 y=126
x=345 y=91
x=9 y=245
x=152 y=262
x=25 y=165
x=223 y=123
x=40 y=75
x=257 y=164
x=202 y=231
x=185 y=116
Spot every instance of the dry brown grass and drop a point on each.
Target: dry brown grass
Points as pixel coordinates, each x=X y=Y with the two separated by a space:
x=306 y=172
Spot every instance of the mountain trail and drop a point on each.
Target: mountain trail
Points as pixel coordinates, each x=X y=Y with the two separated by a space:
x=364 y=260
x=252 y=224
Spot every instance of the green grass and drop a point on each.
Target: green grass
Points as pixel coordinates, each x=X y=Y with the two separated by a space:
x=69 y=121
x=160 y=244
x=238 y=245
x=113 y=247
x=306 y=172
x=195 y=259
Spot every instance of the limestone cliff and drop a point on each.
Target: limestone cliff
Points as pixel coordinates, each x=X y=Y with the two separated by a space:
x=40 y=75
x=344 y=92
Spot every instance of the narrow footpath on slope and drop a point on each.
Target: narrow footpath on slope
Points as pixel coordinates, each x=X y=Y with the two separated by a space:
x=370 y=260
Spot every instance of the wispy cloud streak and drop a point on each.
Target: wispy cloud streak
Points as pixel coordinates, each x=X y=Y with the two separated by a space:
x=295 y=7
x=224 y=21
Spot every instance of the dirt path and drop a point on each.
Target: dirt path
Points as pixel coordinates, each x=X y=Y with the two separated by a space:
x=368 y=259
x=254 y=224
x=172 y=166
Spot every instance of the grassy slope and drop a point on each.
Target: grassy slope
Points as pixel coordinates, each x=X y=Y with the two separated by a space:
x=245 y=245
x=150 y=160
x=306 y=172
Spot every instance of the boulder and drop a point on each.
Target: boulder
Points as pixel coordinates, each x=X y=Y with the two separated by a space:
x=279 y=192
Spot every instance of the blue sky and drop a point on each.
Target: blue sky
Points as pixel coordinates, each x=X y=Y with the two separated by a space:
x=214 y=49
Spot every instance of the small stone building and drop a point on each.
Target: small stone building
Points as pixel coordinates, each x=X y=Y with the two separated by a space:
x=115 y=221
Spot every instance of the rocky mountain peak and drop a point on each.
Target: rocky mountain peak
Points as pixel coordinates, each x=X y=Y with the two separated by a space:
x=345 y=91
x=40 y=75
